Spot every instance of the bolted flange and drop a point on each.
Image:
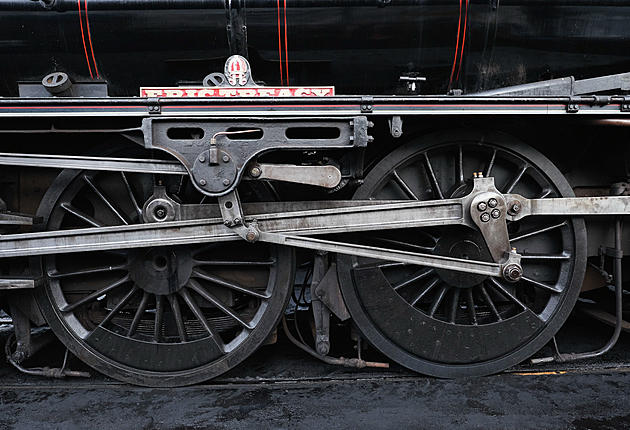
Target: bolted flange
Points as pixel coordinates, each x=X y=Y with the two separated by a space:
x=214 y=171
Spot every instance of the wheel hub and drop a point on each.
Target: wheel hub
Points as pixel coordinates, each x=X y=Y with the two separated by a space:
x=468 y=245
x=161 y=271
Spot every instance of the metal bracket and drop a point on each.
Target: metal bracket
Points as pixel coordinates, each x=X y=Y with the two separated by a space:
x=153 y=106
x=574 y=105
x=367 y=104
x=396 y=126
x=321 y=313
x=215 y=157
x=329 y=292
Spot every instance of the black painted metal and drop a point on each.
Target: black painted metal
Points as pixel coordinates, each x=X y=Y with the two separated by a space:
x=360 y=46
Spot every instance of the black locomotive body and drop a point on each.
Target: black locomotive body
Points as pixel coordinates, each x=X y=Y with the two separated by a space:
x=363 y=47
x=449 y=200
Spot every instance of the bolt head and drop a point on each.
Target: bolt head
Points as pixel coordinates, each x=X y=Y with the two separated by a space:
x=516 y=208
x=496 y=213
x=226 y=158
x=226 y=182
x=493 y=203
x=512 y=272
x=255 y=172
x=202 y=158
x=203 y=182
x=485 y=217
x=482 y=206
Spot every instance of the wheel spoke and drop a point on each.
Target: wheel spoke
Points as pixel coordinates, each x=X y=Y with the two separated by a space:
x=537 y=231
x=177 y=315
x=437 y=300
x=102 y=269
x=389 y=264
x=403 y=185
x=159 y=313
x=234 y=263
x=542 y=285
x=420 y=274
x=491 y=163
x=454 y=305
x=460 y=165
x=546 y=257
x=119 y=306
x=194 y=285
x=229 y=284
x=139 y=313
x=201 y=318
x=420 y=248
x=105 y=200
x=425 y=290
x=490 y=303
x=82 y=216
x=516 y=178
x=434 y=182
x=132 y=198
x=95 y=295
x=505 y=292
x=471 y=306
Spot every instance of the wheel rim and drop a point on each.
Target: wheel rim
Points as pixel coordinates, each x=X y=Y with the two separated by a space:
x=160 y=316
x=445 y=323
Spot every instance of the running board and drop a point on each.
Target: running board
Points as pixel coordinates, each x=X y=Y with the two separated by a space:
x=567 y=86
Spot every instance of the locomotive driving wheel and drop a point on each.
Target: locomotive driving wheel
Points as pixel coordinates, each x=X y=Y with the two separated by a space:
x=160 y=316
x=451 y=324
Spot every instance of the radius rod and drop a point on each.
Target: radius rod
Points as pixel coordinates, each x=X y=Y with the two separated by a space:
x=485 y=209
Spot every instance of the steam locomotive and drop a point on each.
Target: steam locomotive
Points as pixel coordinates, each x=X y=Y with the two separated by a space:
x=443 y=177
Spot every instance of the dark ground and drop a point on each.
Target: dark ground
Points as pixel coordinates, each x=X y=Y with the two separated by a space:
x=280 y=387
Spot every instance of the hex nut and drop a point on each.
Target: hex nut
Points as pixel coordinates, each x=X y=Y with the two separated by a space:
x=202 y=182
x=493 y=203
x=482 y=206
x=226 y=182
x=485 y=217
x=496 y=213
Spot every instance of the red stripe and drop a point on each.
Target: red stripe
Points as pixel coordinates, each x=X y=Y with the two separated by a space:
x=87 y=22
x=461 y=55
x=280 y=45
x=286 y=42
x=459 y=26
x=87 y=59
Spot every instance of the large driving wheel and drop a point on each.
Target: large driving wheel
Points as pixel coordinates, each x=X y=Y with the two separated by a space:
x=161 y=316
x=452 y=324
